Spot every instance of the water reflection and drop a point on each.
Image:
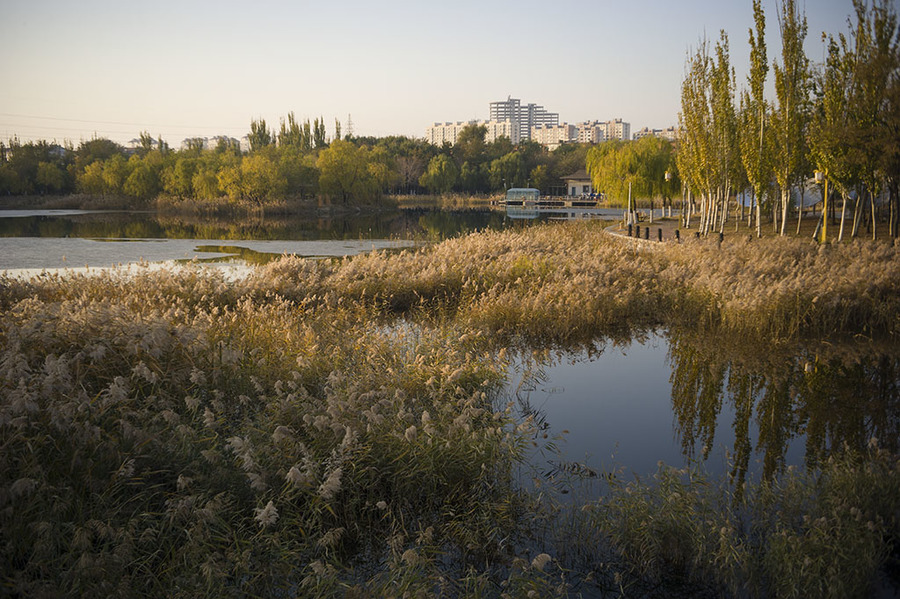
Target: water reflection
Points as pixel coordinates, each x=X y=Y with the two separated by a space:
x=679 y=397
x=829 y=396
x=405 y=224
x=38 y=240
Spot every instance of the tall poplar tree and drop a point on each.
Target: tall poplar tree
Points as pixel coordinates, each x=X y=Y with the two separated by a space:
x=831 y=126
x=792 y=86
x=754 y=151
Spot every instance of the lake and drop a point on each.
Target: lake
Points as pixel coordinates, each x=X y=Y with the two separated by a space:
x=668 y=396
x=32 y=240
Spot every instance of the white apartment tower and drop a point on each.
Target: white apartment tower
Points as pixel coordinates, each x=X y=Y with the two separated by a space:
x=440 y=133
x=525 y=117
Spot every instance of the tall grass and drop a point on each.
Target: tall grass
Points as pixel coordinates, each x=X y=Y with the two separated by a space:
x=571 y=283
x=176 y=439
x=174 y=433
x=825 y=532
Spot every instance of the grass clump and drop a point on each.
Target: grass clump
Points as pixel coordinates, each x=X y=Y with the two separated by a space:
x=164 y=436
x=826 y=532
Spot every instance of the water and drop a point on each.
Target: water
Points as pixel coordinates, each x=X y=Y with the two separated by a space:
x=35 y=240
x=745 y=412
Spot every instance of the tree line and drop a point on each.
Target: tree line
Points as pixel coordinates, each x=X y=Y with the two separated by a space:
x=839 y=120
x=298 y=160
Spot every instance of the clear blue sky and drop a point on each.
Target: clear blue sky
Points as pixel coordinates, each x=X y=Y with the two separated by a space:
x=196 y=68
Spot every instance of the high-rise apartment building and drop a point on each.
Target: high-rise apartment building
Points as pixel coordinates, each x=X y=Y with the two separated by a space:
x=618 y=129
x=669 y=133
x=525 y=117
x=552 y=136
x=440 y=133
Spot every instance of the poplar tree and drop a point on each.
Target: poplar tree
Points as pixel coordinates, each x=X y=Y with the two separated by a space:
x=830 y=127
x=755 y=154
x=792 y=79
x=260 y=135
x=290 y=134
x=695 y=151
x=875 y=65
x=724 y=122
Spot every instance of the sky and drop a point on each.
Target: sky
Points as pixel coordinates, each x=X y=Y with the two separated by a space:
x=191 y=68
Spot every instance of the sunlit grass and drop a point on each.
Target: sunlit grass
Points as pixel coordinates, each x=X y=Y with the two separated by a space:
x=332 y=427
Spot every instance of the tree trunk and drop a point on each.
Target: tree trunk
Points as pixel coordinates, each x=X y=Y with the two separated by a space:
x=857 y=210
x=758 y=216
x=874 y=220
x=843 y=217
x=785 y=201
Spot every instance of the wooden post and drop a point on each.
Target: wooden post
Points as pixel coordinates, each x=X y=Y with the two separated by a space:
x=677 y=236
x=646 y=232
x=637 y=231
x=659 y=234
x=629 y=230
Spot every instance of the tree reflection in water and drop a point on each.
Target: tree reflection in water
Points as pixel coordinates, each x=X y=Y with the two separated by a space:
x=836 y=395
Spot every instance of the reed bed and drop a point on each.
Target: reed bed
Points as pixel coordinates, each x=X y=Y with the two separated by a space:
x=175 y=433
x=162 y=437
x=571 y=283
x=826 y=532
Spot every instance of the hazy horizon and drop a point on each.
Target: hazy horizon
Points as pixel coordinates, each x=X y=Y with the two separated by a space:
x=110 y=69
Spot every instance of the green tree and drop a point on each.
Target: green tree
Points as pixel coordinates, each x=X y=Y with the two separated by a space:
x=205 y=183
x=142 y=182
x=291 y=133
x=830 y=125
x=540 y=177
x=344 y=173
x=90 y=180
x=178 y=178
x=319 y=140
x=260 y=136
x=755 y=153
x=470 y=146
x=98 y=149
x=508 y=171
x=260 y=178
x=791 y=114
x=116 y=171
x=441 y=174
x=876 y=56
x=50 y=178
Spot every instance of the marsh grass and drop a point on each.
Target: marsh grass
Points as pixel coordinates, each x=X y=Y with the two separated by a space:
x=825 y=532
x=331 y=427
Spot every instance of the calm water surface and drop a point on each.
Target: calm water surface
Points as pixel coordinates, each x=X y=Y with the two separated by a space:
x=682 y=399
x=57 y=239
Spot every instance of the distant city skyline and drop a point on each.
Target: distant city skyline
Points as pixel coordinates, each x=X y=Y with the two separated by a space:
x=199 y=69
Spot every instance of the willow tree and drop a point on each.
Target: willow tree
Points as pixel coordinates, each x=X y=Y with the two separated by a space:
x=755 y=153
x=792 y=87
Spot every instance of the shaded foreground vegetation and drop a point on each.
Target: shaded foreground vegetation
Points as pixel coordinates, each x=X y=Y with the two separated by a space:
x=332 y=428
